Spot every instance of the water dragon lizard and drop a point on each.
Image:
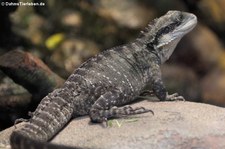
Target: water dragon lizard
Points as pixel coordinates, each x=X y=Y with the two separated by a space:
x=104 y=84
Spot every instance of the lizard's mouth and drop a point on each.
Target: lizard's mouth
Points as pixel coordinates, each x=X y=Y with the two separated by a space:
x=191 y=21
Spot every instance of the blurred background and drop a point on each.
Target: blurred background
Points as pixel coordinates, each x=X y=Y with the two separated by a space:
x=63 y=34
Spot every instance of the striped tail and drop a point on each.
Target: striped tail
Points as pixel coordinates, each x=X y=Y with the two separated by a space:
x=51 y=115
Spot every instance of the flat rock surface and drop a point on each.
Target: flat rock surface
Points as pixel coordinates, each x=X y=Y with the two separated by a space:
x=180 y=125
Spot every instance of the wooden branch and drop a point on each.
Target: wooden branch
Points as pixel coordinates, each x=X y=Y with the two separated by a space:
x=30 y=72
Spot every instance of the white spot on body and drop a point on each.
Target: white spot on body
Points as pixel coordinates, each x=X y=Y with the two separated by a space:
x=36 y=127
x=112 y=67
x=62 y=99
x=65 y=109
x=51 y=116
x=100 y=65
x=102 y=97
x=91 y=83
x=121 y=91
x=44 y=123
x=87 y=80
x=57 y=105
x=31 y=131
x=97 y=105
x=131 y=87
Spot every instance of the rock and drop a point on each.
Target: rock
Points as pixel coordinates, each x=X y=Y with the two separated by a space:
x=213 y=87
x=180 y=125
x=30 y=72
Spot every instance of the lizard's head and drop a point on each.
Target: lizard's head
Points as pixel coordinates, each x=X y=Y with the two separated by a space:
x=162 y=35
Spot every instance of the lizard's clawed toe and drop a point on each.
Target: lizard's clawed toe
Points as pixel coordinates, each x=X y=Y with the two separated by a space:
x=137 y=110
x=174 y=97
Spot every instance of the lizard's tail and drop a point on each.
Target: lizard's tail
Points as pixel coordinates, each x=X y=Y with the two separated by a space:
x=51 y=115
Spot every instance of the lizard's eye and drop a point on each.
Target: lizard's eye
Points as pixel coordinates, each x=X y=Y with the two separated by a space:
x=181 y=17
x=150 y=45
x=166 y=30
x=170 y=27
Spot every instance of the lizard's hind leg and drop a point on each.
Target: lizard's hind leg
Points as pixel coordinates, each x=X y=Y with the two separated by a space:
x=105 y=107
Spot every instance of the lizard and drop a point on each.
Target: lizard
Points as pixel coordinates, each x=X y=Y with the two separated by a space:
x=104 y=85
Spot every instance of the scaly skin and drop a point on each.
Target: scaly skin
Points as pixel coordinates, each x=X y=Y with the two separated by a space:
x=104 y=83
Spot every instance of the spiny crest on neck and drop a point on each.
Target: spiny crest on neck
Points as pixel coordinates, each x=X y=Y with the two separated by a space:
x=147 y=30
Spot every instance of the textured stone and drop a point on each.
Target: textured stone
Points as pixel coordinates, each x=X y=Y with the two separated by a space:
x=180 y=125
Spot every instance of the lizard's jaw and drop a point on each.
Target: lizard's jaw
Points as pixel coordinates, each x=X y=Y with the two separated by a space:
x=167 y=49
x=190 y=21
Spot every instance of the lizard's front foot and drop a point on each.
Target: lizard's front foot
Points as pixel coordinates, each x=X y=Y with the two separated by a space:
x=174 y=97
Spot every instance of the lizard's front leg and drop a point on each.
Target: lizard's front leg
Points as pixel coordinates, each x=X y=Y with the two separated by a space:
x=159 y=88
x=162 y=94
x=105 y=107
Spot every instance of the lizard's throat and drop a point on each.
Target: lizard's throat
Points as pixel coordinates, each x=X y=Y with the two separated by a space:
x=166 y=50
